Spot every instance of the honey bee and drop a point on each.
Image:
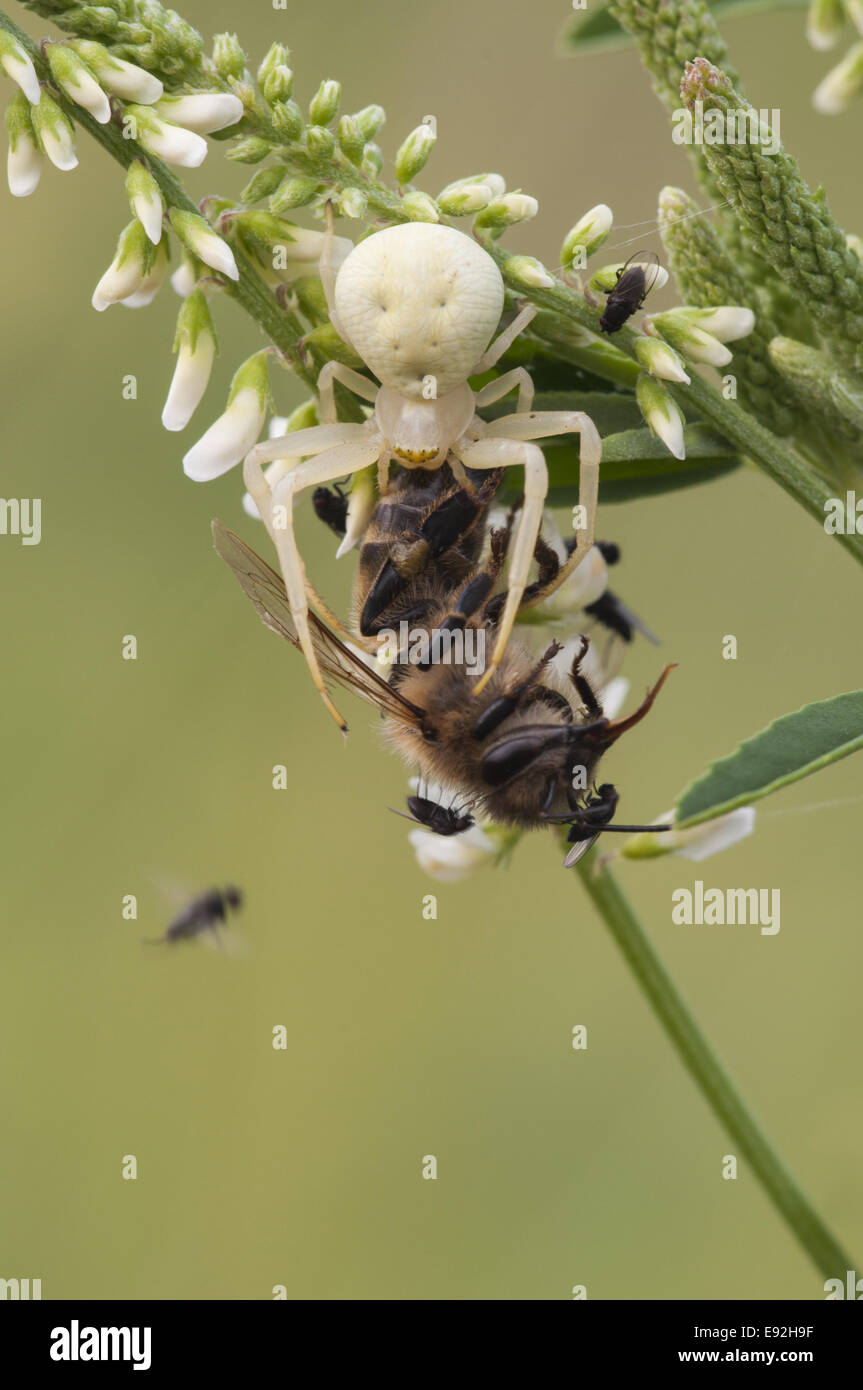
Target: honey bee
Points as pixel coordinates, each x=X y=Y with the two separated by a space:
x=521 y=753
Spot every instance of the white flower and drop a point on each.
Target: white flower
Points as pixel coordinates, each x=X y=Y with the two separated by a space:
x=169 y=142
x=697 y=842
x=127 y=273
x=55 y=133
x=145 y=199
x=662 y=414
x=75 y=79
x=24 y=163
x=230 y=438
x=361 y=504
x=659 y=359
x=613 y=696
x=196 y=350
x=184 y=278
x=152 y=282
x=202 y=112
x=15 y=62
x=727 y=322
x=449 y=858
x=198 y=237
x=529 y=272
x=124 y=79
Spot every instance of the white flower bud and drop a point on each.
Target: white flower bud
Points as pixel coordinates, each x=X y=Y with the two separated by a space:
x=184 y=278
x=169 y=142
x=689 y=340
x=195 y=345
x=75 y=79
x=16 y=63
x=659 y=359
x=413 y=153
x=230 y=438
x=824 y=23
x=24 y=162
x=508 y=210
x=154 y=279
x=145 y=199
x=470 y=197
x=203 y=112
x=55 y=133
x=198 y=237
x=841 y=85
x=662 y=414
x=588 y=234
x=420 y=207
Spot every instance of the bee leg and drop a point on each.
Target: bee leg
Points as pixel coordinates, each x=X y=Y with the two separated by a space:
x=504 y=705
x=582 y=684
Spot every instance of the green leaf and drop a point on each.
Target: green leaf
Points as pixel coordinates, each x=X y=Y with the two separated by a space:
x=596 y=29
x=788 y=749
x=634 y=463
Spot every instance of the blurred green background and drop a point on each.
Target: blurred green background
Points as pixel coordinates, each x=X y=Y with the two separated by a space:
x=405 y=1037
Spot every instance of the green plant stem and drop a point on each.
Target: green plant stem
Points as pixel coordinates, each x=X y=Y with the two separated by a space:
x=708 y=1073
x=249 y=291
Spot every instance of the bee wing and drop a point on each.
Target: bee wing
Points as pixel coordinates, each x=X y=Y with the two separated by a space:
x=266 y=590
x=579 y=850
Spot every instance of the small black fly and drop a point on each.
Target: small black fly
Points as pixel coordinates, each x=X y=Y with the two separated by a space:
x=635 y=280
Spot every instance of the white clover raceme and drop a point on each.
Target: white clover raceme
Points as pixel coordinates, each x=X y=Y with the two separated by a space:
x=16 y=63
x=169 y=142
x=696 y=842
x=77 y=81
x=195 y=345
x=128 y=272
x=55 y=133
x=197 y=236
x=662 y=414
x=202 y=112
x=841 y=85
x=145 y=199
x=153 y=280
x=230 y=438
x=24 y=161
x=124 y=79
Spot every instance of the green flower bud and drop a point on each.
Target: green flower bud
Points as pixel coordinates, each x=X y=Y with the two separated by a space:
x=263 y=183
x=420 y=207
x=506 y=212
x=464 y=199
x=373 y=161
x=826 y=389
x=370 y=120
x=527 y=273
x=324 y=105
x=855 y=244
x=229 y=59
x=288 y=119
x=326 y=341
x=277 y=56
x=278 y=85
x=414 y=152
x=353 y=203
x=351 y=138
x=293 y=192
x=311 y=300
x=320 y=142
x=250 y=150
x=586 y=237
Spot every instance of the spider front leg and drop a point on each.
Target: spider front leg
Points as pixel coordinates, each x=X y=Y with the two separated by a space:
x=503 y=453
x=541 y=424
x=502 y=385
x=276 y=508
x=495 y=351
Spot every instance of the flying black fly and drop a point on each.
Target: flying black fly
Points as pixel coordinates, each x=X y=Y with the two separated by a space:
x=206 y=912
x=635 y=280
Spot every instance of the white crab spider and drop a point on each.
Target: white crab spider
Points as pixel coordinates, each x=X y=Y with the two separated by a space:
x=419 y=303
